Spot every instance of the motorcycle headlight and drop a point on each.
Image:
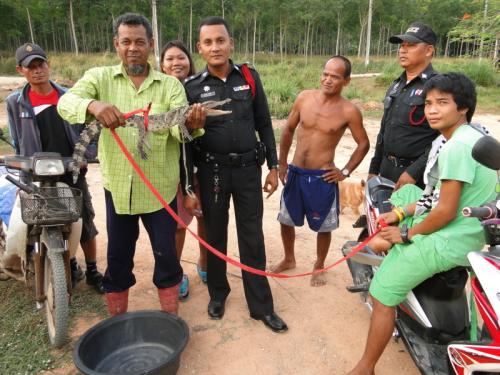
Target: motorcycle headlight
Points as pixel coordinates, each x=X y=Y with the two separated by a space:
x=48 y=167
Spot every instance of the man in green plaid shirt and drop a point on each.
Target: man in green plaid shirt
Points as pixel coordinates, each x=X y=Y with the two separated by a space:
x=105 y=93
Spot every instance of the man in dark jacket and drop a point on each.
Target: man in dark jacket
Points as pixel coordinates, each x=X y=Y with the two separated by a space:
x=229 y=162
x=405 y=136
x=35 y=126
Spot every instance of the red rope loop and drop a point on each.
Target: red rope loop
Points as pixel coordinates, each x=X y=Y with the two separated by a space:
x=145 y=113
x=216 y=252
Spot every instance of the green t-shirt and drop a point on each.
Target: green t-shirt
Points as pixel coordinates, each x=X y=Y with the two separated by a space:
x=463 y=234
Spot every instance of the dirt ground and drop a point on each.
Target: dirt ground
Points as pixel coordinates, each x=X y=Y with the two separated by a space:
x=327 y=325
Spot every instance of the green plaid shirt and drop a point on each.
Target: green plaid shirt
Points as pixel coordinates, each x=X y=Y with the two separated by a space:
x=111 y=84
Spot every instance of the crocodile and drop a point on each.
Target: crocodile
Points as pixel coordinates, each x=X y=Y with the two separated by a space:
x=156 y=123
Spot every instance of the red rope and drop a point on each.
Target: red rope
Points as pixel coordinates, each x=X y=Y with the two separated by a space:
x=214 y=251
x=415 y=122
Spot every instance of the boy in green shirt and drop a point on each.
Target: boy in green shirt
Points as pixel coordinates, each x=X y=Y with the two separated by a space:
x=439 y=239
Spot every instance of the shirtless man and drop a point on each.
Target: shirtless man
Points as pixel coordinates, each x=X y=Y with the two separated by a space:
x=311 y=179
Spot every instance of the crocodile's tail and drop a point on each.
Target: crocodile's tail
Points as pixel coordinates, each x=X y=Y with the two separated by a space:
x=86 y=136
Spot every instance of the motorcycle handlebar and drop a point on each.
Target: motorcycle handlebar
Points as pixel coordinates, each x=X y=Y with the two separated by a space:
x=28 y=189
x=488 y=211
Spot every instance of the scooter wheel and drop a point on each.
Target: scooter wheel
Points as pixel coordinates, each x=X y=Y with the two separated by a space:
x=57 y=299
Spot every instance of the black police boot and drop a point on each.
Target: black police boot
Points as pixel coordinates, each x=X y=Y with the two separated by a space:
x=94 y=277
x=76 y=272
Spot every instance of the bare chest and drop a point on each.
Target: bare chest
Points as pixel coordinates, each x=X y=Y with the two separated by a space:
x=321 y=120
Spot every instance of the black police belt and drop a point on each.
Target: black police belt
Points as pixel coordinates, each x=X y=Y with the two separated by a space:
x=399 y=162
x=231 y=159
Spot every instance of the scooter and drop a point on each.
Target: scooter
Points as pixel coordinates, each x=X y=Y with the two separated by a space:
x=49 y=211
x=434 y=319
x=434 y=313
x=483 y=356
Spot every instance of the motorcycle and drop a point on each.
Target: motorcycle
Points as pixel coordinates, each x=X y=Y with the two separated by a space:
x=50 y=230
x=434 y=319
x=483 y=356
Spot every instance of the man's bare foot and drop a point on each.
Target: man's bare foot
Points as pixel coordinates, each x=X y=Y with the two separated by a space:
x=283 y=266
x=318 y=279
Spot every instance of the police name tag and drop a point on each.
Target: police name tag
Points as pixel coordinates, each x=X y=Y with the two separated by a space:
x=241 y=88
x=207 y=94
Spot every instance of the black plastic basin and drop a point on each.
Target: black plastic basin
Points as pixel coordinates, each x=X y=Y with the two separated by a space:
x=138 y=342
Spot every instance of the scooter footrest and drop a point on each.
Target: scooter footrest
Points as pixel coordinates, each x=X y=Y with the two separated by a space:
x=358 y=288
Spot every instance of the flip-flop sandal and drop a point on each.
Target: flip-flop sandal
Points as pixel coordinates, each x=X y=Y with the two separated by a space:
x=184 y=288
x=202 y=274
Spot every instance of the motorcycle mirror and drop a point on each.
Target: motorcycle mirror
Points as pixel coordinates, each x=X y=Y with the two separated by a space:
x=487 y=152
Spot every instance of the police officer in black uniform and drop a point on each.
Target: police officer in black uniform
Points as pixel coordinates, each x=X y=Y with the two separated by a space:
x=229 y=158
x=405 y=136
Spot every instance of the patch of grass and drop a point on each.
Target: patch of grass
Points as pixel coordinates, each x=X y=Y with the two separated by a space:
x=487 y=99
x=24 y=346
x=24 y=343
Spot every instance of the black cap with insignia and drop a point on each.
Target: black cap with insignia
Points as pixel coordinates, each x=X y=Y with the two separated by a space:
x=28 y=52
x=417 y=32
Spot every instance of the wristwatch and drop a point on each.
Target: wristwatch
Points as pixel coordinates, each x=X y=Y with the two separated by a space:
x=345 y=172
x=404 y=234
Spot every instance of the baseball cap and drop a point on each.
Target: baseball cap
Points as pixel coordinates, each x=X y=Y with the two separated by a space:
x=417 y=32
x=28 y=52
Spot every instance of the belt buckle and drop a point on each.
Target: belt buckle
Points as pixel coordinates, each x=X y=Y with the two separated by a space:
x=234 y=158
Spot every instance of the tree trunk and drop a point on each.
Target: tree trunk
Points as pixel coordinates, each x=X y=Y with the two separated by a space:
x=222 y=6
x=84 y=38
x=72 y=25
x=30 y=26
x=495 y=51
x=380 y=30
x=389 y=45
x=259 y=48
x=337 y=51
x=361 y=39
x=191 y=27
x=246 y=40
x=306 y=45
x=281 y=40
x=155 y=33
x=447 y=48
x=362 y=23
x=368 y=33
x=254 y=36
x=481 y=44
x=54 y=45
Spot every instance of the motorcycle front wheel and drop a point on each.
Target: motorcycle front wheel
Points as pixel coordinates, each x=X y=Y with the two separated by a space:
x=57 y=299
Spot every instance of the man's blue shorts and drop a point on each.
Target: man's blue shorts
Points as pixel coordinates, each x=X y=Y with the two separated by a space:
x=307 y=194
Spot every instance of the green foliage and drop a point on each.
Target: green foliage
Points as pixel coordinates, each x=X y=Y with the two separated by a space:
x=312 y=23
x=481 y=72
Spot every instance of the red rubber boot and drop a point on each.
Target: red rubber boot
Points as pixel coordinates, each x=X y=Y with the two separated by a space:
x=169 y=299
x=117 y=302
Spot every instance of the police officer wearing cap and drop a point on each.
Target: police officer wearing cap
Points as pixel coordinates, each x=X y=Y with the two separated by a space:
x=405 y=136
x=229 y=158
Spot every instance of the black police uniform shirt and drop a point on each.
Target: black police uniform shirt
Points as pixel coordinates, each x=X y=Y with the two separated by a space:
x=234 y=132
x=404 y=131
